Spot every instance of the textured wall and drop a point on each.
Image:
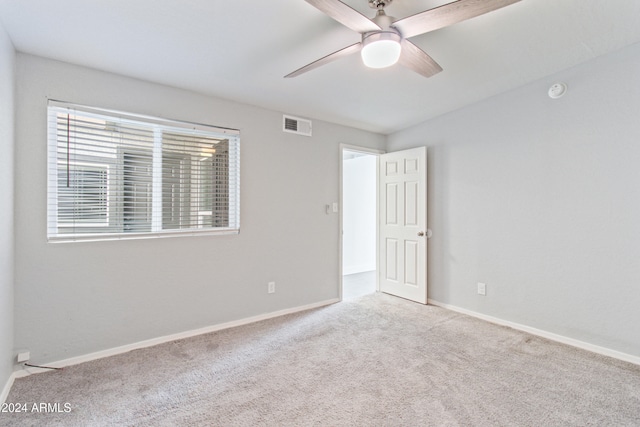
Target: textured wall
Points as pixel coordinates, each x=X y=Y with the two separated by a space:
x=540 y=199
x=77 y=298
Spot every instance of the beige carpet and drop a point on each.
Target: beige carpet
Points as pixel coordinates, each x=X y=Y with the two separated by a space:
x=370 y=361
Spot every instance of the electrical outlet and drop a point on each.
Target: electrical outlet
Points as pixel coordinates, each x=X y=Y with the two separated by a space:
x=482 y=289
x=271 y=287
x=23 y=356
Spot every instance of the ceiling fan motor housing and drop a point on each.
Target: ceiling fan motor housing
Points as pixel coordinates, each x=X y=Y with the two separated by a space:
x=375 y=36
x=379 y=4
x=384 y=21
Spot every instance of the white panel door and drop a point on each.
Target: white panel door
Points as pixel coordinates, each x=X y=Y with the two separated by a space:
x=403 y=224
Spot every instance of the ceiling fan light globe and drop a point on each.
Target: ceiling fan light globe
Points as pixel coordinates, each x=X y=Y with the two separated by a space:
x=381 y=50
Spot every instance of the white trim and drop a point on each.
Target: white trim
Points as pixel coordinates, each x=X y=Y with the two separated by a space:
x=168 y=338
x=107 y=237
x=359 y=149
x=544 y=334
x=7 y=387
x=170 y=124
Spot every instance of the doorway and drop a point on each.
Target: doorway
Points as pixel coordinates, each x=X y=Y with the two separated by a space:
x=383 y=223
x=359 y=221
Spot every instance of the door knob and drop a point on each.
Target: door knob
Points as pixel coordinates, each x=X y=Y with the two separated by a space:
x=421 y=233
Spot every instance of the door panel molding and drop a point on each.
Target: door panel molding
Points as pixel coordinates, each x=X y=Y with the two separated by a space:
x=403 y=221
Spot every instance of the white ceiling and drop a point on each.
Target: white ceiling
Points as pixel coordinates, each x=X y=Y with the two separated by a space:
x=241 y=49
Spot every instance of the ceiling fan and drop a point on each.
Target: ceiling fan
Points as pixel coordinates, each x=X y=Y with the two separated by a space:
x=384 y=38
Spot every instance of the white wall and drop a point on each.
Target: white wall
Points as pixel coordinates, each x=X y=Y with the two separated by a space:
x=7 y=64
x=74 y=299
x=540 y=199
x=359 y=214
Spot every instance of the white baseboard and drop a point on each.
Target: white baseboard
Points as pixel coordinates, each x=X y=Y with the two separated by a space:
x=544 y=334
x=161 y=340
x=7 y=388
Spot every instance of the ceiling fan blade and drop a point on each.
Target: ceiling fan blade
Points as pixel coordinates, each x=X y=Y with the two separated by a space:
x=417 y=60
x=345 y=15
x=448 y=14
x=327 y=59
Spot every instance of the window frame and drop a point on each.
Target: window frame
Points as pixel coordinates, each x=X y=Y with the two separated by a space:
x=160 y=127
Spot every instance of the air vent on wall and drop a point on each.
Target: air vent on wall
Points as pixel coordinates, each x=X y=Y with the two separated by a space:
x=296 y=125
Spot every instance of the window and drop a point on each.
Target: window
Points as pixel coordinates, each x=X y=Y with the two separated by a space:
x=115 y=175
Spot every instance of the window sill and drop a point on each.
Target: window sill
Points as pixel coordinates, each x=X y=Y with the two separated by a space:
x=137 y=236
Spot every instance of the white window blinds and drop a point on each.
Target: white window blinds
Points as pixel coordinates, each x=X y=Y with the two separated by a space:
x=114 y=175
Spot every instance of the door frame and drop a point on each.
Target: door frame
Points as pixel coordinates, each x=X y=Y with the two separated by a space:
x=377 y=153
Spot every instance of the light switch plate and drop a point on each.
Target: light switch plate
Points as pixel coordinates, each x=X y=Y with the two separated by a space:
x=482 y=288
